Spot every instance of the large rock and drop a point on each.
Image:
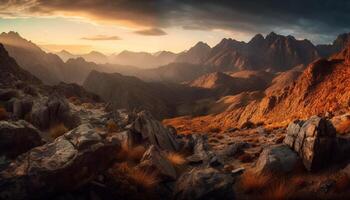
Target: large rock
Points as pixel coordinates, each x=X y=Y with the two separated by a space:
x=17 y=138
x=50 y=110
x=201 y=151
x=21 y=107
x=277 y=159
x=313 y=140
x=155 y=160
x=63 y=165
x=153 y=131
x=204 y=183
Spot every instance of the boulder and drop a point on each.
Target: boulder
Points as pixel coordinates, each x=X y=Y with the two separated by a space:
x=17 y=138
x=276 y=159
x=201 y=152
x=204 y=183
x=21 y=107
x=313 y=140
x=51 y=110
x=154 y=132
x=63 y=165
x=155 y=160
x=234 y=149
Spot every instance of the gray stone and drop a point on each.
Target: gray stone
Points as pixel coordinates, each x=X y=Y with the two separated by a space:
x=204 y=183
x=276 y=159
x=51 y=110
x=62 y=165
x=17 y=138
x=153 y=131
x=155 y=160
x=313 y=140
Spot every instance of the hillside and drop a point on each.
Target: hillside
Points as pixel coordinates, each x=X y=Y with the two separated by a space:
x=45 y=66
x=322 y=87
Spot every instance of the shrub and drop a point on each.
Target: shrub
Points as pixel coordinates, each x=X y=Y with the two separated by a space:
x=252 y=182
x=176 y=159
x=3 y=114
x=57 y=130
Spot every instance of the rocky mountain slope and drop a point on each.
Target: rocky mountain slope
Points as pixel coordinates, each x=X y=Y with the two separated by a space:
x=319 y=89
x=195 y=55
x=11 y=73
x=46 y=66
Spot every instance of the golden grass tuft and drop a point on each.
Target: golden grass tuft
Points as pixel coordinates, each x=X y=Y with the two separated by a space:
x=57 y=130
x=252 y=182
x=3 y=114
x=143 y=178
x=176 y=159
x=112 y=126
x=278 y=191
x=131 y=154
x=139 y=177
x=343 y=127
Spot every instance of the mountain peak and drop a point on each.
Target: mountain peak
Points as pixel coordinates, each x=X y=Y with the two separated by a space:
x=201 y=44
x=258 y=38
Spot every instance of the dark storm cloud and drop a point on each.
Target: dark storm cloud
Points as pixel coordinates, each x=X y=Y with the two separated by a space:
x=321 y=19
x=151 y=32
x=101 y=38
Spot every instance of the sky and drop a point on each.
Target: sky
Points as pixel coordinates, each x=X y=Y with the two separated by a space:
x=111 y=26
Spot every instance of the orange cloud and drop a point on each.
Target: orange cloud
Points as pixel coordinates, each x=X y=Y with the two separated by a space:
x=101 y=38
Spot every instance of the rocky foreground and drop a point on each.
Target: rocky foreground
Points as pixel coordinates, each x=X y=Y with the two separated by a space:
x=110 y=154
x=61 y=142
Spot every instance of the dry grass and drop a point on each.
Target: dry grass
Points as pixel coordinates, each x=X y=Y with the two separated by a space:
x=252 y=182
x=137 y=176
x=131 y=154
x=342 y=183
x=3 y=114
x=176 y=159
x=112 y=126
x=57 y=130
x=143 y=178
x=278 y=191
x=343 y=127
